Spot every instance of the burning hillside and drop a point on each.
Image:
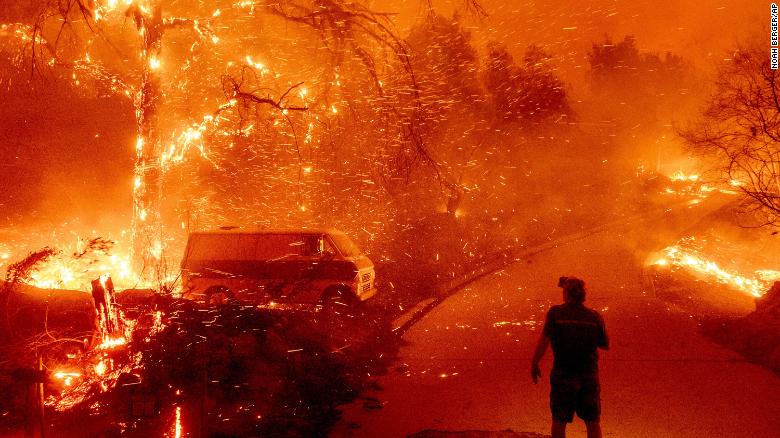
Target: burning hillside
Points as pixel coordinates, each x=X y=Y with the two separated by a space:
x=692 y=254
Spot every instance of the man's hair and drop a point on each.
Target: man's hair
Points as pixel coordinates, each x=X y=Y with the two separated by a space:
x=574 y=288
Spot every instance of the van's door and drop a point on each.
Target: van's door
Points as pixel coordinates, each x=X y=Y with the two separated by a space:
x=289 y=261
x=306 y=284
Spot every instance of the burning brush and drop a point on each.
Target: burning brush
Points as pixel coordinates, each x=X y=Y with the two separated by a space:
x=690 y=254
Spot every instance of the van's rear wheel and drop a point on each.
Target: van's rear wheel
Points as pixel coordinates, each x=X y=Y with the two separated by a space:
x=219 y=295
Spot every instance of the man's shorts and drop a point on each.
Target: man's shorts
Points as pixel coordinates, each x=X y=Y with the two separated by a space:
x=575 y=394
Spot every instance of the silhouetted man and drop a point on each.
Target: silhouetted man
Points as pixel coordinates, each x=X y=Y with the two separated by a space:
x=575 y=333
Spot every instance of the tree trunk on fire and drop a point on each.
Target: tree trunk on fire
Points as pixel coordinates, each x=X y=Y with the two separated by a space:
x=147 y=223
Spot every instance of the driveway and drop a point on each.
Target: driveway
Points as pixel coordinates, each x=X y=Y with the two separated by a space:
x=465 y=365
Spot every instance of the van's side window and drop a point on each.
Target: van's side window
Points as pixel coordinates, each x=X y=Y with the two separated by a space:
x=307 y=246
x=327 y=249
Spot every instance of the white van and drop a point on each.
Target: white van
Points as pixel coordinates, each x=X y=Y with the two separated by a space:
x=299 y=266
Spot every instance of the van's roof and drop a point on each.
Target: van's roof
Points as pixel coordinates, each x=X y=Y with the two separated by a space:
x=268 y=231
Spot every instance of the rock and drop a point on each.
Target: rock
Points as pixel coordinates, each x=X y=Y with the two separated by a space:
x=773 y=360
x=372 y=403
x=770 y=302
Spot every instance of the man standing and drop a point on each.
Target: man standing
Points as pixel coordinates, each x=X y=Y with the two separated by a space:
x=575 y=333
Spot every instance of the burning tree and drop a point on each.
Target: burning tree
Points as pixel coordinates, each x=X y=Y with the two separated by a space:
x=740 y=129
x=160 y=54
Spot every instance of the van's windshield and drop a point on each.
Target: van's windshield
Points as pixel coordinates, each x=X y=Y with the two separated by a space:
x=345 y=245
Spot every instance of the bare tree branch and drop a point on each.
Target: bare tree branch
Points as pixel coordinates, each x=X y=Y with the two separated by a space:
x=233 y=90
x=740 y=128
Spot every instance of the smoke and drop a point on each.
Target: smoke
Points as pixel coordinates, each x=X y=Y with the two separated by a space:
x=68 y=151
x=696 y=31
x=63 y=154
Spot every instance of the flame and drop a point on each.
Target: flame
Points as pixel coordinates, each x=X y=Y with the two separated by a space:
x=112 y=342
x=177 y=425
x=108 y=6
x=156 y=250
x=245 y=4
x=66 y=272
x=680 y=176
x=687 y=254
x=66 y=377
x=691 y=184
x=192 y=137
x=100 y=368
x=258 y=65
x=22 y=32
x=103 y=279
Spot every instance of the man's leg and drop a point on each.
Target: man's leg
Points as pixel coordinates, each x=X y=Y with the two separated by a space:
x=594 y=429
x=589 y=406
x=559 y=429
x=563 y=400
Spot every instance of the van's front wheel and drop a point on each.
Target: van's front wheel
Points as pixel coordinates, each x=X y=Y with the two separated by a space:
x=218 y=295
x=339 y=303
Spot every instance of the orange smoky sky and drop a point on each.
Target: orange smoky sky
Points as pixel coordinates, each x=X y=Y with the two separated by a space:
x=57 y=157
x=701 y=32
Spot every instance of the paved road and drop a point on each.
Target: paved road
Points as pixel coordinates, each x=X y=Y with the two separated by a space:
x=465 y=365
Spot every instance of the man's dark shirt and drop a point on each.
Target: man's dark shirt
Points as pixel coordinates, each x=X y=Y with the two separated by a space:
x=575 y=333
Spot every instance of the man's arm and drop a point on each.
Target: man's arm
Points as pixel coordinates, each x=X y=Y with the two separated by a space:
x=603 y=341
x=541 y=348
